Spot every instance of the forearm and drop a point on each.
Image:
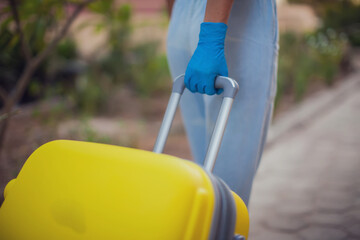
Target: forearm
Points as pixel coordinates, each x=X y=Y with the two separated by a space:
x=218 y=10
x=208 y=60
x=169 y=5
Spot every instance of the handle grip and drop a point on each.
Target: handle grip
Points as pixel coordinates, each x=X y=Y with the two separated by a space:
x=230 y=87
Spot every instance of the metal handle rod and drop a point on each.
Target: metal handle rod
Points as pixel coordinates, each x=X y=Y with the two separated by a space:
x=167 y=122
x=177 y=91
x=218 y=133
x=230 y=89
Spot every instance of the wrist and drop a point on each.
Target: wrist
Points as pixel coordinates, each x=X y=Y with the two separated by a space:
x=218 y=11
x=210 y=32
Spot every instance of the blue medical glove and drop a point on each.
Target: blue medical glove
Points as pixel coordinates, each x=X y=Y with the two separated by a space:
x=208 y=60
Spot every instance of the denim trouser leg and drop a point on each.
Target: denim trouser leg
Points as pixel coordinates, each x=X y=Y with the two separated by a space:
x=251 y=53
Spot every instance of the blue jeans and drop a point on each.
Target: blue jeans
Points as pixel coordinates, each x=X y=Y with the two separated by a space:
x=251 y=50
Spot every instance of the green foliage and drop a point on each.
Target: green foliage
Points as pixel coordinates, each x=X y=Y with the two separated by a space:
x=150 y=70
x=67 y=49
x=38 y=18
x=147 y=73
x=115 y=23
x=304 y=59
x=89 y=95
x=12 y=60
x=87 y=83
x=103 y=74
x=85 y=132
x=341 y=15
x=138 y=66
x=90 y=135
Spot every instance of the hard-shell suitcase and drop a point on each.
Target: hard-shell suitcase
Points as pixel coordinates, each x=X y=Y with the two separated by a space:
x=79 y=190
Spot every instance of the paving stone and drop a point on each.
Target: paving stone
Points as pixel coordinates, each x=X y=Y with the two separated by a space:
x=333 y=206
x=325 y=194
x=260 y=214
x=334 y=201
x=256 y=227
x=272 y=182
x=270 y=235
x=354 y=229
x=344 y=186
x=357 y=203
x=285 y=223
x=326 y=219
x=350 y=219
x=303 y=185
x=312 y=176
x=357 y=191
x=353 y=214
x=298 y=198
x=322 y=233
x=293 y=210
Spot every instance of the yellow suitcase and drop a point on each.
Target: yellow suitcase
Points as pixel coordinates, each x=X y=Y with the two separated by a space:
x=77 y=190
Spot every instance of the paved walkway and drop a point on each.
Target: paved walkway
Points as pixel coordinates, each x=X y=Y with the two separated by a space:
x=308 y=184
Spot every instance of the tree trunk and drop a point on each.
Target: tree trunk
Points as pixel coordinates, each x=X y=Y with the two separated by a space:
x=14 y=98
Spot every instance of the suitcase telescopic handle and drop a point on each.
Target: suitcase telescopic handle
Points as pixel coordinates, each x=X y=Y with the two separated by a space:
x=230 y=88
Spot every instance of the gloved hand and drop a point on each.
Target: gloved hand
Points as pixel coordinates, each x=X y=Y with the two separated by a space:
x=208 y=60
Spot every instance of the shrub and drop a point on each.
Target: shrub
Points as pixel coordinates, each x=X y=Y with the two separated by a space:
x=341 y=15
x=150 y=70
x=304 y=59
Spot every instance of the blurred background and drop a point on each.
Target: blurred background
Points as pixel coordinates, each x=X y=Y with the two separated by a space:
x=97 y=71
